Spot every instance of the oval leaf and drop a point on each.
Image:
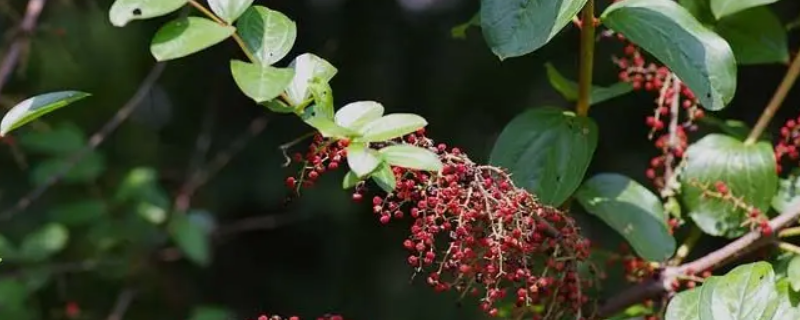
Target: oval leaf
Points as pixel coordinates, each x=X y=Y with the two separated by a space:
x=747 y=170
x=684 y=306
x=547 y=152
x=191 y=238
x=391 y=126
x=745 y=293
x=722 y=8
x=700 y=57
x=185 y=36
x=350 y=180
x=354 y=115
x=35 y=107
x=517 y=27
x=320 y=121
x=632 y=210
x=268 y=34
x=276 y=105
x=411 y=157
x=261 y=83
x=306 y=67
x=229 y=10
x=124 y=11
x=756 y=36
x=78 y=213
x=384 y=177
x=793 y=273
x=45 y=242
x=362 y=160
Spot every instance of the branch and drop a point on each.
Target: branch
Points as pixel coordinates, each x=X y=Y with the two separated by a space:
x=26 y=28
x=94 y=141
x=776 y=101
x=121 y=306
x=653 y=288
x=586 y=59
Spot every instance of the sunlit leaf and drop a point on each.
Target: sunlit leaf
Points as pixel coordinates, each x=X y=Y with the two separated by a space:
x=362 y=160
x=124 y=11
x=229 y=10
x=44 y=242
x=391 y=126
x=411 y=157
x=307 y=67
x=35 y=107
x=261 y=83
x=185 y=36
x=268 y=34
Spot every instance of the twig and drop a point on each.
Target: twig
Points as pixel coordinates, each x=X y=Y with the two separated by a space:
x=26 y=28
x=788 y=247
x=586 y=59
x=94 y=141
x=776 y=101
x=257 y=223
x=652 y=288
x=121 y=306
x=200 y=177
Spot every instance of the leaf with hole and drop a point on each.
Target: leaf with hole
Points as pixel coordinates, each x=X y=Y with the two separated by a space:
x=747 y=170
x=362 y=160
x=391 y=126
x=722 y=8
x=756 y=36
x=384 y=177
x=355 y=115
x=185 y=36
x=697 y=55
x=632 y=210
x=514 y=28
x=229 y=10
x=307 y=67
x=124 y=11
x=268 y=34
x=411 y=157
x=569 y=88
x=44 y=242
x=35 y=107
x=191 y=238
x=547 y=151
x=261 y=83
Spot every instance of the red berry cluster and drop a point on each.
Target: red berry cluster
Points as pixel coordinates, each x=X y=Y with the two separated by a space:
x=788 y=146
x=323 y=155
x=755 y=218
x=276 y=317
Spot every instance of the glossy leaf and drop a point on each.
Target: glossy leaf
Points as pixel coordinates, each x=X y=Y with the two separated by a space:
x=384 y=177
x=323 y=98
x=697 y=55
x=793 y=273
x=411 y=157
x=350 y=180
x=124 y=11
x=734 y=128
x=78 y=213
x=191 y=238
x=185 y=36
x=684 y=306
x=747 y=170
x=569 y=88
x=44 y=242
x=261 y=83
x=722 y=8
x=87 y=169
x=362 y=160
x=268 y=34
x=745 y=293
x=326 y=126
x=307 y=67
x=391 y=126
x=355 y=115
x=788 y=195
x=229 y=10
x=632 y=210
x=547 y=152
x=63 y=139
x=35 y=107
x=514 y=28
x=756 y=36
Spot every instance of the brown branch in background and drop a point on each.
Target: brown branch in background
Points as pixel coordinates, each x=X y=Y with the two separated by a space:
x=201 y=176
x=663 y=284
x=775 y=103
x=94 y=141
x=121 y=306
x=26 y=28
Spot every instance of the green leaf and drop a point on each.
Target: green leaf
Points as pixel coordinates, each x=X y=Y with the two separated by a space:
x=391 y=126
x=261 y=83
x=460 y=31
x=124 y=11
x=745 y=293
x=307 y=67
x=514 y=28
x=138 y=184
x=734 y=128
x=87 y=169
x=325 y=126
x=323 y=98
x=14 y=292
x=700 y=57
x=747 y=170
x=756 y=36
x=35 y=107
x=185 y=36
x=384 y=177
x=191 y=238
x=210 y=313
x=793 y=273
x=7 y=249
x=700 y=9
x=706 y=296
x=78 y=213
x=350 y=180
x=569 y=88
x=355 y=115
x=632 y=210
x=787 y=308
x=269 y=35
x=788 y=193
x=684 y=306
x=44 y=242
x=276 y=105
x=547 y=152
x=411 y=157
x=229 y=10
x=722 y=8
x=362 y=160
x=63 y=139
x=153 y=213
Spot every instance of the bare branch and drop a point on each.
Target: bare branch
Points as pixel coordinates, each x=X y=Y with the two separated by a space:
x=121 y=306
x=26 y=28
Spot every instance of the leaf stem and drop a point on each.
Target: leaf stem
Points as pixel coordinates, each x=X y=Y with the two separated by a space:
x=586 y=59
x=775 y=102
x=216 y=19
x=790 y=232
x=788 y=247
x=688 y=245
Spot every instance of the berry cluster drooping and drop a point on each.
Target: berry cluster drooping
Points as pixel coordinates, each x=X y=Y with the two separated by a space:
x=787 y=147
x=322 y=156
x=475 y=232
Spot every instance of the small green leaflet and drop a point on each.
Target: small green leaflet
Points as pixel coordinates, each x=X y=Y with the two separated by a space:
x=356 y=114
x=261 y=83
x=229 y=10
x=35 y=107
x=362 y=160
x=569 y=88
x=191 y=238
x=44 y=242
x=384 y=177
x=185 y=36
x=307 y=67
x=411 y=157
x=391 y=126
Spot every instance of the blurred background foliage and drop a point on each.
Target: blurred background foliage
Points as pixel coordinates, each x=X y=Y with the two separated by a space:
x=99 y=233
